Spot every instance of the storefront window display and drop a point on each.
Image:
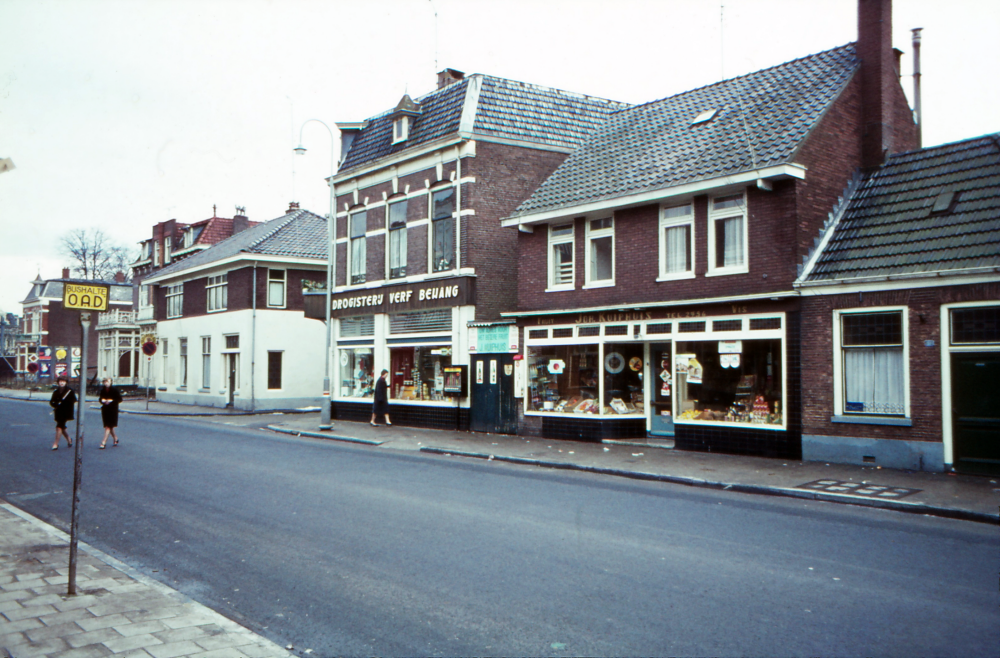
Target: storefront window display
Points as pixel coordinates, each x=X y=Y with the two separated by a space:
x=564 y=379
x=417 y=373
x=357 y=372
x=732 y=381
x=623 y=388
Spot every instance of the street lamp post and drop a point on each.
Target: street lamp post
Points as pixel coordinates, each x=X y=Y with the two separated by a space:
x=331 y=265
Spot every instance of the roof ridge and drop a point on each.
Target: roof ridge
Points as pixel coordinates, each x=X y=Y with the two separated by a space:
x=291 y=217
x=565 y=92
x=989 y=138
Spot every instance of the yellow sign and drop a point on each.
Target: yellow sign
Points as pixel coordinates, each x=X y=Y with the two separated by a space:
x=85 y=297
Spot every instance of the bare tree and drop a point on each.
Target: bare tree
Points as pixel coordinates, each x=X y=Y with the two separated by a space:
x=96 y=256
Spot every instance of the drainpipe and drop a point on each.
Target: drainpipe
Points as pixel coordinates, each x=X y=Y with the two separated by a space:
x=253 y=342
x=458 y=205
x=916 y=86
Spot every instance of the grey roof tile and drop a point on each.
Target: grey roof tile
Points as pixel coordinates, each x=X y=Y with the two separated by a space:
x=889 y=229
x=656 y=146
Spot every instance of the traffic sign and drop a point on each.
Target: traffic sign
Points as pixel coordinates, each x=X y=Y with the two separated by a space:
x=149 y=349
x=85 y=297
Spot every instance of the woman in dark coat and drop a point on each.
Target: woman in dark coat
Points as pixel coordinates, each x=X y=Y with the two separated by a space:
x=381 y=405
x=63 y=399
x=110 y=398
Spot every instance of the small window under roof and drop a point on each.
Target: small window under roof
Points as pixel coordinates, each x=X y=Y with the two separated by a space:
x=707 y=115
x=944 y=202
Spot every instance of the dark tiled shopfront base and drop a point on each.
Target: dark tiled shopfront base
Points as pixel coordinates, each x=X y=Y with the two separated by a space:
x=737 y=441
x=593 y=430
x=439 y=418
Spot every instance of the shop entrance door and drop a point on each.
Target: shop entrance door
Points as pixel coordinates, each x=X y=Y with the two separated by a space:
x=231 y=360
x=975 y=401
x=494 y=408
x=662 y=388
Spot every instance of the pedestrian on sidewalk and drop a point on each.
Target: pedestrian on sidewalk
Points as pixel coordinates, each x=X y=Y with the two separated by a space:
x=62 y=401
x=381 y=404
x=110 y=399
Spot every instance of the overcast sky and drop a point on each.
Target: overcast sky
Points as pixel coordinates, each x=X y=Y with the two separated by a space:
x=121 y=114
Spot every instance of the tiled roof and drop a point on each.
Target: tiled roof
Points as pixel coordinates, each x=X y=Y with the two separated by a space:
x=53 y=289
x=506 y=108
x=298 y=234
x=890 y=226
x=656 y=145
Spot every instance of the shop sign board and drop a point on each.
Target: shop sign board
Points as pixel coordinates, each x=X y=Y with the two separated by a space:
x=85 y=297
x=495 y=339
x=400 y=298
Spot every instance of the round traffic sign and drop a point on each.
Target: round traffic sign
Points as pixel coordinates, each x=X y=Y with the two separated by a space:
x=32 y=368
x=149 y=349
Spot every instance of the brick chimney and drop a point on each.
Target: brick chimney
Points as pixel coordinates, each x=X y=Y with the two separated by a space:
x=65 y=273
x=448 y=76
x=119 y=277
x=878 y=78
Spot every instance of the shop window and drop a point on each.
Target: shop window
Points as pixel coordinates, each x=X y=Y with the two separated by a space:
x=274 y=370
x=443 y=230
x=397 y=239
x=727 y=325
x=356 y=372
x=276 y=288
x=677 y=242
x=727 y=234
x=417 y=373
x=358 y=247
x=623 y=390
x=601 y=252
x=659 y=328
x=590 y=330
x=731 y=381
x=762 y=324
x=561 y=273
x=564 y=379
x=538 y=333
x=616 y=330
x=565 y=332
x=873 y=373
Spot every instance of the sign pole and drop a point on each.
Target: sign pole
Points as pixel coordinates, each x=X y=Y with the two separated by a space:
x=78 y=455
x=149 y=364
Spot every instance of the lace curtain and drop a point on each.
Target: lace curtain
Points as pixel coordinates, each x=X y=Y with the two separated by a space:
x=873 y=380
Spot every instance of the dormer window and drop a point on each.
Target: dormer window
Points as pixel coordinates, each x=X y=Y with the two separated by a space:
x=400 y=129
x=705 y=116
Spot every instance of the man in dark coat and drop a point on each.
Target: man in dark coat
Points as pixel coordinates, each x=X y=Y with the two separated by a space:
x=110 y=398
x=381 y=404
x=63 y=399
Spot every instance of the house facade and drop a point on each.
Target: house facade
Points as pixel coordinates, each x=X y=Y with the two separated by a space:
x=657 y=263
x=230 y=327
x=902 y=301
x=423 y=268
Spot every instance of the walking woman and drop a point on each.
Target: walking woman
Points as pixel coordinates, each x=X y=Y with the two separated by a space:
x=110 y=398
x=63 y=399
x=381 y=404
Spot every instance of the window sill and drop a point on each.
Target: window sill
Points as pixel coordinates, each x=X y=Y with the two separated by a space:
x=675 y=277
x=182 y=388
x=217 y=310
x=276 y=308
x=204 y=390
x=873 y=420
x=728 y=271
x=561 y=289
x=600 y=284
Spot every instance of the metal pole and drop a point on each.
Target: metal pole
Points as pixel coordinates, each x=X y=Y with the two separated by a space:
x=78 y=455
x=916 y=85
x=149 y=364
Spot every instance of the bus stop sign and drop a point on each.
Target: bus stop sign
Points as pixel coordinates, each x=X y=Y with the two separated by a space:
x=85 y=297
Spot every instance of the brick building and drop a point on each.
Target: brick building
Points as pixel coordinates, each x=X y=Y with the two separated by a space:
x=901 y=358
x=51 y=337
x=229 y=318
x=657 y=263
x=423 y=267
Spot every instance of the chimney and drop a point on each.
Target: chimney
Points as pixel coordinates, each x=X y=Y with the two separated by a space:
x=292 y=206
x=878 y=75
x=65 y=273
x=448 y=76
x=119 y=277
x=240 y=223
x=916 y=86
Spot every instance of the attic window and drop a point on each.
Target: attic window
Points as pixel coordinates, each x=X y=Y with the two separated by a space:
x=705 y=116
x=944 y=203
x=400 y=129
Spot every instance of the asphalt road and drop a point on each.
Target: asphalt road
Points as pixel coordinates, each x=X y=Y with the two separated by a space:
x=356 y=550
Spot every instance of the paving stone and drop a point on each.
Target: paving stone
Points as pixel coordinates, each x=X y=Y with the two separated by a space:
x=107 y=621
x=90 y=651
x=188 y=633
x=59 y=580
x=157 y=613
x=43 y=648
x=24 y=613
x=10 y=605
x=258 y=650
x=122 y=644
x=48 y=599
x=15 y=595
x=36 y=575
x=114 y=605
x=129 y=587
x=228 y=652
x=190 y=619
x=139 y=653
x=75 y=602
x=152 y=627
x=224 y=640
x=100 y=636
x=22 y=625
x=58 y=630
x=175 y=649
x=67 y=616
x=29 y=584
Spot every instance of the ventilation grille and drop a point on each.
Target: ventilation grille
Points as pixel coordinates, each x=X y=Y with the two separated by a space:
x=360 y=326
x=411 y=323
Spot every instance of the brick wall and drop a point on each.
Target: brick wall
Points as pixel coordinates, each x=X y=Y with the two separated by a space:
x=923 y=313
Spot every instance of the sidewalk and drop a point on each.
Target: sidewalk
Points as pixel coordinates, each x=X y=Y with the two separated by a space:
x=116 y=611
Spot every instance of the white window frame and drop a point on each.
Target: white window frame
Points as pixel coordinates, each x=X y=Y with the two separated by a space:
x=391 y=233
x=183 y=363
x=435 y=223
x=206 y=362
x=839 y=382
x=591 y=236
x=352 y=245
x=175 y=301
x=274 y=284
x=717 y=215
x=400 y=129
x=281 y=372
x=217 y=292
x=555 y=240
x=678 y=219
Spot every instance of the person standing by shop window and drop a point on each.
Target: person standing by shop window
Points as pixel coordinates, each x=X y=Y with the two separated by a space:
x=63 y=399
x=110 y=398
x=381 y=403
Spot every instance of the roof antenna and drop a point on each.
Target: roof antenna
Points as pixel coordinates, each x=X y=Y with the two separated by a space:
x=435 y=35
x=722 y=43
